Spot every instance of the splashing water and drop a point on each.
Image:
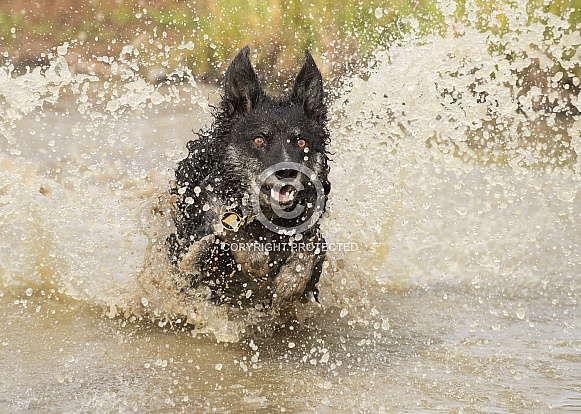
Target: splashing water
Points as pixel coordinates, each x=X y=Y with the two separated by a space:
x=455 y=170
x=447 y=167
x=451 y=168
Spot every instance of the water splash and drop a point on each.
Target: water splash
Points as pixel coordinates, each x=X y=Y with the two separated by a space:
x=455 y=161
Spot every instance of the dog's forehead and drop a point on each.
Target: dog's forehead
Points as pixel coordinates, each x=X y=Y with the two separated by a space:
x=287 y=121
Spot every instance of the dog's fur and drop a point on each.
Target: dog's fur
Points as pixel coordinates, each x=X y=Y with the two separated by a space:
x=218 y=176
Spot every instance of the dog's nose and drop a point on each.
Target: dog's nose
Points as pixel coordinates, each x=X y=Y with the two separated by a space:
x=286 y=173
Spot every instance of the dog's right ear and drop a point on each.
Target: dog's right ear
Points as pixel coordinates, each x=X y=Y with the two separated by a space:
x=242 y=89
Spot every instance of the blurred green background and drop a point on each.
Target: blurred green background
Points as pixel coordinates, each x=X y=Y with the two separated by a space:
x=204 y=34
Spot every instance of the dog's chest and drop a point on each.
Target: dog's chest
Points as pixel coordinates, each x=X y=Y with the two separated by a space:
x=257 y=251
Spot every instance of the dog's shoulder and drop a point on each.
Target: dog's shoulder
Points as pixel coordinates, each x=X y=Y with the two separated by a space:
x=198 y=164
x=192 y=175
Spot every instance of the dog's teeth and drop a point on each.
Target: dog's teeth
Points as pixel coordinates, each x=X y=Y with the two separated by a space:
x=283 y=195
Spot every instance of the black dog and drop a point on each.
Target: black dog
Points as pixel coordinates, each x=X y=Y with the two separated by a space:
x=249 y=195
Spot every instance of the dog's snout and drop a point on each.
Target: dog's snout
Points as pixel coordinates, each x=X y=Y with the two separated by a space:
x=286 y=173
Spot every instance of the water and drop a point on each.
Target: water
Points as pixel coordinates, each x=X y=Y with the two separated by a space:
x=455 y=198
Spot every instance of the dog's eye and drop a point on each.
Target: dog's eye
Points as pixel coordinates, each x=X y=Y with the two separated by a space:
x=301 y=143
x=258 y=141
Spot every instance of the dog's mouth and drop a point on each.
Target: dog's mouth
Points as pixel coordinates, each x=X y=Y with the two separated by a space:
x=283 y=195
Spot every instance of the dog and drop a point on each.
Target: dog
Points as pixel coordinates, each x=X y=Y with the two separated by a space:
x=250 y=193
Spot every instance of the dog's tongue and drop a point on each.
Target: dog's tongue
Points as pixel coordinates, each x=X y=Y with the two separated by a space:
x=282 y=195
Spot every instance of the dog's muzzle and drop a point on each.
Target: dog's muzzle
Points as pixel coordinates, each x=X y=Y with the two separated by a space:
x=288 y=198
x=282 y=188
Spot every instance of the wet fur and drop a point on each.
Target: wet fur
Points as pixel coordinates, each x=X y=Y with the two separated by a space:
x=218 y=174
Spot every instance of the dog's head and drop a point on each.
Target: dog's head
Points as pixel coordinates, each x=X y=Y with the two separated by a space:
x=276 y=147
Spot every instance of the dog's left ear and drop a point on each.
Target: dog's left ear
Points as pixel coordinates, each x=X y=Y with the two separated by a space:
x=308 y=90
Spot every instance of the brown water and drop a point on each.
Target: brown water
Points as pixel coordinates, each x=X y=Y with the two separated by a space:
x=459 y=291
x=443 y=350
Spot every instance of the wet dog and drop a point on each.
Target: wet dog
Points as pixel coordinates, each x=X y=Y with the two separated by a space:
x=249 y=195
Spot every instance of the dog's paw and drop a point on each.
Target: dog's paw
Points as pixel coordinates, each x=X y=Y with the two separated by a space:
x=196 y=255
x=291 y=282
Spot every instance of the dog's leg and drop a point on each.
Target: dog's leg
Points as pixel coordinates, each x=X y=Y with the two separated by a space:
x=196 y=255
x=291 y=282
x=253 y=261
x=299 y=274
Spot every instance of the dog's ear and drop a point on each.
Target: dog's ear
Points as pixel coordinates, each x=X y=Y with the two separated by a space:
x=308 y=90
x=242 y=89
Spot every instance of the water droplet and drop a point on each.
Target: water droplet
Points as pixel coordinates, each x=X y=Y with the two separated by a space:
x=566 y=194
x=385 y=325
x=378 y=13
x=218 y=367
x=520 y=313
x=62 y=50
x=157 y=98
x=29 y=292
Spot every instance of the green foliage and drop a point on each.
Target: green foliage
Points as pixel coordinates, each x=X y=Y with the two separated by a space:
x=201 y=35
x=8 y=23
